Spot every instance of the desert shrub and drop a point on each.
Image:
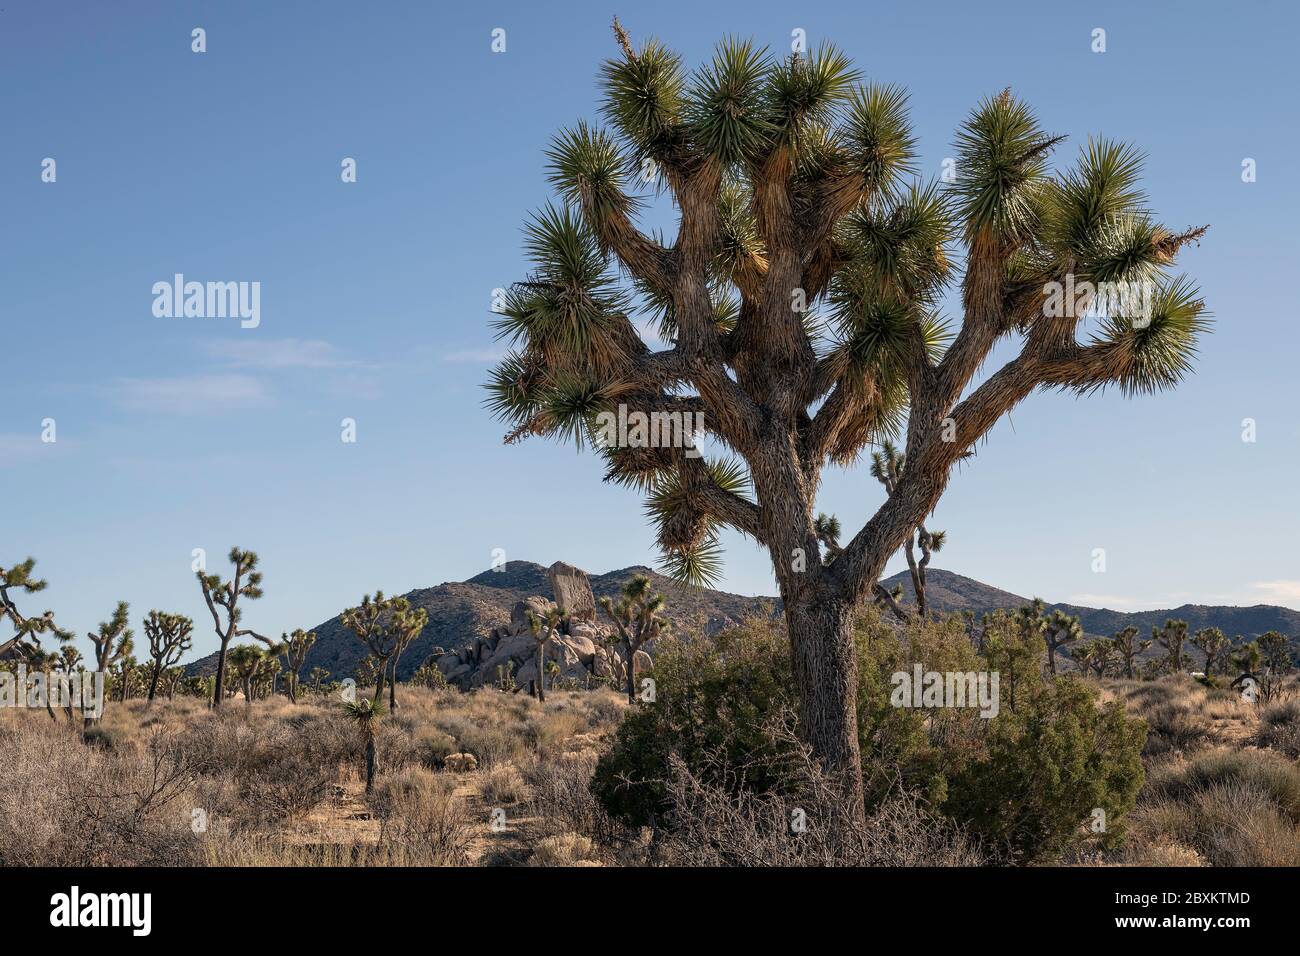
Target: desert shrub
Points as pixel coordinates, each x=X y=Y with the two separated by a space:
x=1228 y=823
x=1268 y=774
x=503 y=784
x=1279 y=728
x=1174 y=726
x=421 y=823
x=432 y=747
x=63 y=804
x=287 y=786
x=715 y=824
x=565 y=849
x=1046 y=764
x=562 y=795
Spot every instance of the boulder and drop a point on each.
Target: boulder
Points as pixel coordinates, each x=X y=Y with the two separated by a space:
x=519 y=616
x=572 y=591
x=584 y=648
x=641 y=662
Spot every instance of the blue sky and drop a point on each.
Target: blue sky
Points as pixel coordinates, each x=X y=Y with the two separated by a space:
x=176 y=434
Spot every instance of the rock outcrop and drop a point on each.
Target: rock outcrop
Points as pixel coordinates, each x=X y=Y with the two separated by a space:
x=581 y=653
x=572 y=590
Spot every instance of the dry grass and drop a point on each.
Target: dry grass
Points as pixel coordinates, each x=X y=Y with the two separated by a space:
x=280 y=785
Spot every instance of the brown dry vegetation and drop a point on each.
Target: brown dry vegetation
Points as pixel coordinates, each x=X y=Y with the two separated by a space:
x=281 y=784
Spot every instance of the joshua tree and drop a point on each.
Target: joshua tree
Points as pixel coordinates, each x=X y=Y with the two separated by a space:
x=1059 y=629
x=637 y=620
x=246 y=582
x=1095 y=656
x=366 y=714
x=543 y=629
x=384 y=625
x=246 y=663
x=27 y=630
x=170 y=636
x=788 y=178
x=1128 y=647
x=407 y=629
x=1215 y=645
x=317 y=677
x=68 y=659
x=171 y=681
x=887 y=467
x=1171 y=637
x=113 y=643
x=1276 y=652
x=294 y=648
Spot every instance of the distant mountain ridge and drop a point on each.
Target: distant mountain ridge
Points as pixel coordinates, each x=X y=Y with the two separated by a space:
x=459 y=611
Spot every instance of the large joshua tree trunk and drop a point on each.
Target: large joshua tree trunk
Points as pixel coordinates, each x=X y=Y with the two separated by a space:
x=825 y=675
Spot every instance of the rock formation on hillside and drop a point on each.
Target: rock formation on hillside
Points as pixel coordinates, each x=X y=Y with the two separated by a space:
x=581 y=650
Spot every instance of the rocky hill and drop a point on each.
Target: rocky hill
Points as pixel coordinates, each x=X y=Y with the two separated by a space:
x=461 y=613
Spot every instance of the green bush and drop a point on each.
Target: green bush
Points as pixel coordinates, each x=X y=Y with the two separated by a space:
x=714 y=704
x=1025 y=781
x=1048 y=764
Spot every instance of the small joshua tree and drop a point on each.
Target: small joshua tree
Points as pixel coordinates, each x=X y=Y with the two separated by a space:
x=113 y=643
x=384 y=625
x=887 y=468
x=543 y=629
x=365 y=714
x=1276 y=652
x=170 y=637
x=408 y=628
x=1129 y=648
x=1172 y=637
x=637 y=621
x=1214 y=644
x=294 y=648
x=171 y=681
x=1095 y=656
x=317 y=677
x=222 y=598
x=246 y=663
x=1059 y=629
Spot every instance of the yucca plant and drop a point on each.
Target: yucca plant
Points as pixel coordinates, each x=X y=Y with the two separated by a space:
x=223 y=599
x=365 y=713
x=386 y=626
x=1214 y=644
x=294 y=648
x=637 y=617
x=246 y=663
x=543 y=628
x=800 y=298
x=170 y=637
x=1129 y=648
x=1172 y=637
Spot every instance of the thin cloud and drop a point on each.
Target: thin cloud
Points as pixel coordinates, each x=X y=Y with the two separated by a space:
x=277 y=353
x=17 y=448
x=188 y=395
x=1277 y=592
x=475 y=356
